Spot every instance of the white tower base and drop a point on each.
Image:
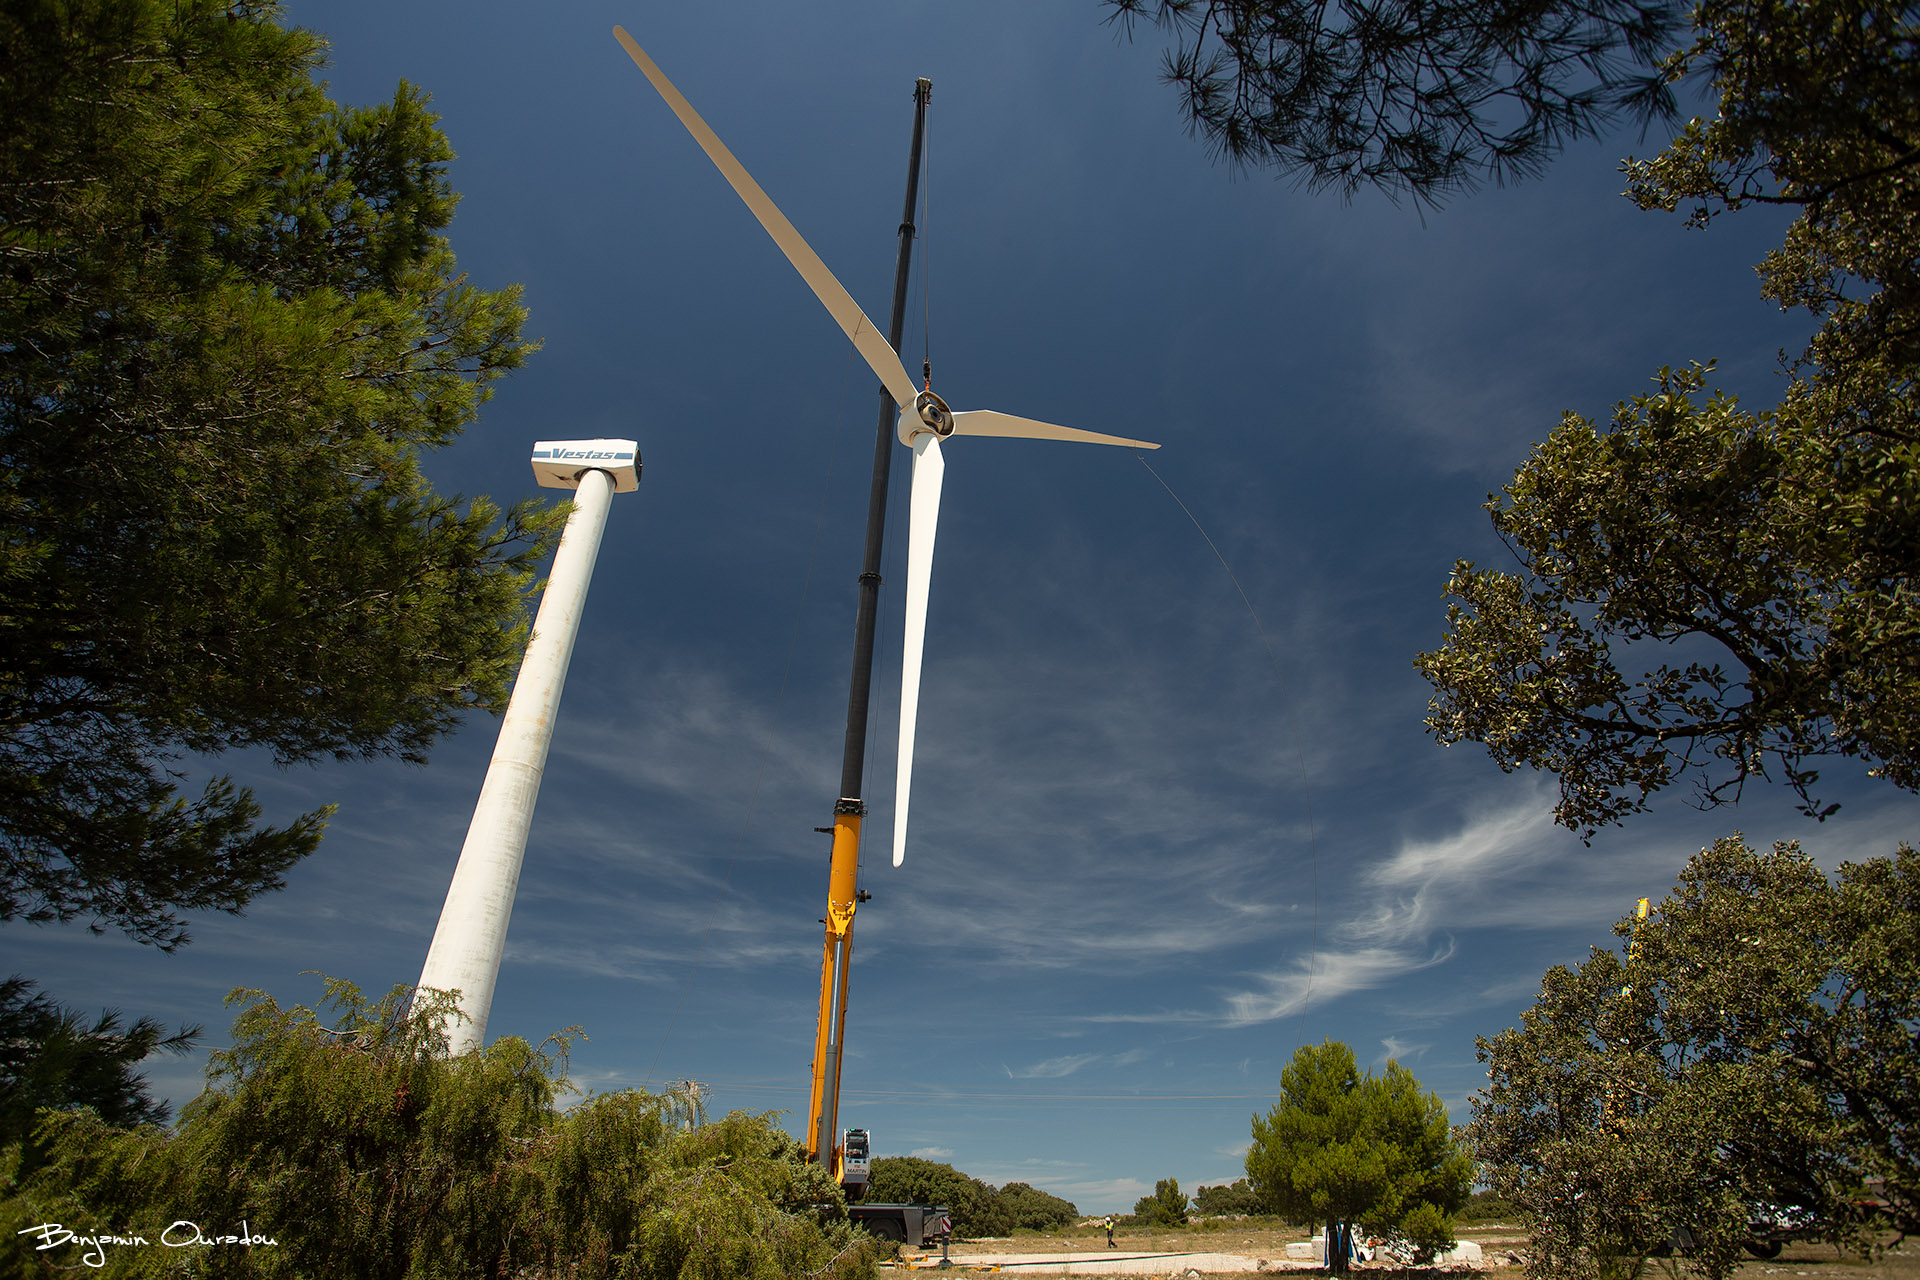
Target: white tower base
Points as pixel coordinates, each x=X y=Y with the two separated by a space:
x=472 y=934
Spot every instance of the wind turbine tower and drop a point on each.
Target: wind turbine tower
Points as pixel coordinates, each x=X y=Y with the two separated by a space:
x=472 y=934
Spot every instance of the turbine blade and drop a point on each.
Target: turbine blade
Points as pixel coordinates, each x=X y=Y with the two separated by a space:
x=923 y=518
x=985 y=422
x=867 y=339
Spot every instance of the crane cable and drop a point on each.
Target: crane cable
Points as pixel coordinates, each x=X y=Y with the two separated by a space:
x=925 y=256
x=1306 y=792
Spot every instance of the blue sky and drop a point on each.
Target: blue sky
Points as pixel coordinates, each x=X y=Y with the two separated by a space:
x=1135 y=837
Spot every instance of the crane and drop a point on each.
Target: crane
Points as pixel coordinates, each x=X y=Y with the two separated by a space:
x=844 y=895
x=922 y=420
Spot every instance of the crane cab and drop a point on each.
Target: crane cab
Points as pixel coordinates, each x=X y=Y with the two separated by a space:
x=856 y=1161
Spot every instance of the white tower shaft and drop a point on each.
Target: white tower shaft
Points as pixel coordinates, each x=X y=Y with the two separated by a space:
x=472 y=934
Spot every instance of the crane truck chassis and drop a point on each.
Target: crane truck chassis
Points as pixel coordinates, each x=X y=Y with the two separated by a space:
x=914 y=1225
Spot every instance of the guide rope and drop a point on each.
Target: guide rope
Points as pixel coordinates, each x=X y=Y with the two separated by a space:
x=1273 y=660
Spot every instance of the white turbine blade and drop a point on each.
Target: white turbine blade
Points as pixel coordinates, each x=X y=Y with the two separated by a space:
x=923 y=518
x=985 y=422
x=867 y=339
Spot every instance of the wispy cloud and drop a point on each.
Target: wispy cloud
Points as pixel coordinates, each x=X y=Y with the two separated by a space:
x=1408 y=906
x=1326 y=977
x=932 y=1153
x=1401 y=1050
x=695 y=726
x=1052 y=1068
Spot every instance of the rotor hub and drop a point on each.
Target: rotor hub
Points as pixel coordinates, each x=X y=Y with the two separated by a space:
x=933 y=414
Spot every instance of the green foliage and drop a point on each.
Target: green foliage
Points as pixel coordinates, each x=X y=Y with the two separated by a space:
x=50 y=1057
x=976 y=1208
x=1419 y=97
x=1486 y=1206
x=1238 y=1198
x=231 y=326
x=1034 y=1209
x=1772 y=553
x=1687 y=525
x=1761 y=1047
x=1344 y=1147
x=1166 y=1207
x=359 y=1147
x=1429 y=1230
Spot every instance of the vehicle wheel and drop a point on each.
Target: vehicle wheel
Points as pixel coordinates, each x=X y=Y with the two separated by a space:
x=888 y=1229
x=1762 y=1248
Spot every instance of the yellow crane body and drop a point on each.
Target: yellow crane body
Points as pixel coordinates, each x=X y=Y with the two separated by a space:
x=843 y=899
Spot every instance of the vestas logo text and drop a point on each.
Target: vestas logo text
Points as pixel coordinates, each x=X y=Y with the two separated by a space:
x=589 y=455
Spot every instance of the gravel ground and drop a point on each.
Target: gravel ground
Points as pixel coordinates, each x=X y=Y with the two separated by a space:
x=1504 y=1247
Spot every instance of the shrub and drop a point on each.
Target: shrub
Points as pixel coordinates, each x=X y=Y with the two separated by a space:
x=363 y=1150
x=1035 y=1209
x=1218 y=1201
x=1166 y=1207
x=976 y=1208
x=1429 y=1230
x=1485 y=1206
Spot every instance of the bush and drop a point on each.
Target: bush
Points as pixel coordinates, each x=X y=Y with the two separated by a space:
x=976 y=1207
x=1036 y=1210
x=1219 y=1201
x=363 y=1150
x=1485 y=1206
x=1429 y=1230
x=1166 y=1207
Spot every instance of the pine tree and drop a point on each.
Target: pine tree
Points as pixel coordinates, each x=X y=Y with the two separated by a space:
x=50 y=1057
x=1347 y=1148
x=229 y=326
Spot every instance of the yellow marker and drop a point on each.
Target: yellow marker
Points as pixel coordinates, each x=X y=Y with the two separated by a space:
x=1633 y=938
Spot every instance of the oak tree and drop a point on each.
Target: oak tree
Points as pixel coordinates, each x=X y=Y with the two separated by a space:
x=1705 y=592
x=1224 y=1200
x=976 y=1209
x=1035 y=1209
x=1760 y=1046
